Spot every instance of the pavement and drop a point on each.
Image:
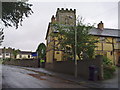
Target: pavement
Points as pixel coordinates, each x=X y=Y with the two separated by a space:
x=111 y=83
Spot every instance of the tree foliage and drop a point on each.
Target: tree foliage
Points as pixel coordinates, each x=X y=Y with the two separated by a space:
x=13 y=13
x=66 y=38
x=41 y=51
x=1 y=35
x=109 y=68
x=15 y=53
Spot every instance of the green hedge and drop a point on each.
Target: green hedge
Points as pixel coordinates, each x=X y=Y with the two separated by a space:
x=7 y=59
x=108 y=67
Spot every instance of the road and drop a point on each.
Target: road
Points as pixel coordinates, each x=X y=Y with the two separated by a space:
x=119 y=78
x=0 y=76
x=16 y=77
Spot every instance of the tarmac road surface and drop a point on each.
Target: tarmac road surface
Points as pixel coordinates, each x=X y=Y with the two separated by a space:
x=16 y=77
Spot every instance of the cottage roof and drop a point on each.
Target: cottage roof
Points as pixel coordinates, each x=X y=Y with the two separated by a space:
x=6 y=50
x=25 y=52
x=105 y=32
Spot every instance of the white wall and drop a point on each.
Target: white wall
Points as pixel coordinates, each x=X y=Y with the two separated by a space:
x=23 y=56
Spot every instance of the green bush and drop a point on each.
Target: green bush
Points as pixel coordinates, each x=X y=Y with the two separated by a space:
x=108 y=67
x=107 y=61
x=7 y=59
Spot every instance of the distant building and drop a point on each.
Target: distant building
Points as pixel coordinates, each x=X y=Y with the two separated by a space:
x=6 y=53
x=9 y=53
x=24 y=55
x=109 y=39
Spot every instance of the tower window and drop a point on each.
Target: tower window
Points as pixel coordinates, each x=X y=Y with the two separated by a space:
x=48 y=39
x=66 y=21
x=111 y=53
x=57 y=53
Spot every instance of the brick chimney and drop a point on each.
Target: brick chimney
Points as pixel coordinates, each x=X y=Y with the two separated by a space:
x=53 y=19
x=101 y=25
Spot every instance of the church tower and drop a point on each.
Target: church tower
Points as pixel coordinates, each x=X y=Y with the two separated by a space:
x=65 y=16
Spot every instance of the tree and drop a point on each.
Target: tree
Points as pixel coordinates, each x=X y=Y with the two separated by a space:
x=66 y=39
x=41 y=51
x=1 y=35
x=108 y=68
x=15 y=53
x=13 y=14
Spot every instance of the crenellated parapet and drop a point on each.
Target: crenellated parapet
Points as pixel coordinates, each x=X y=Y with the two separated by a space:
x=66 y=10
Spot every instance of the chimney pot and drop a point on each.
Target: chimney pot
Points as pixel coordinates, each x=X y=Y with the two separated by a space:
x=53 y=18
x=101 y=25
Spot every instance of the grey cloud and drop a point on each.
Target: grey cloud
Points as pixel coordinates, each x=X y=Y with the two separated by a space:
x=34 y=28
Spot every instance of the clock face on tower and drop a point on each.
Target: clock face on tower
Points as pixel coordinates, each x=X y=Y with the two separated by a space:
x=68 y=19
x=71 y=17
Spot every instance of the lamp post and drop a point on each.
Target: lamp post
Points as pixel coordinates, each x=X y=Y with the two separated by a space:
x=75 y=52
x=70 y=17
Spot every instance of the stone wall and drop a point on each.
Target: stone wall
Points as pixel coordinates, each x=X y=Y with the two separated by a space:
x=22 y=62
x=68 y=67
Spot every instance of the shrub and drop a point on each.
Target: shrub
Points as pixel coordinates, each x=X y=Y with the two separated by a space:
x=7 y=59
x=108 y=67
x=107 y=61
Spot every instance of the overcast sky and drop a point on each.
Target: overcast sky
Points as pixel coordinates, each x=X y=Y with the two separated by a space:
x=33 y=31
